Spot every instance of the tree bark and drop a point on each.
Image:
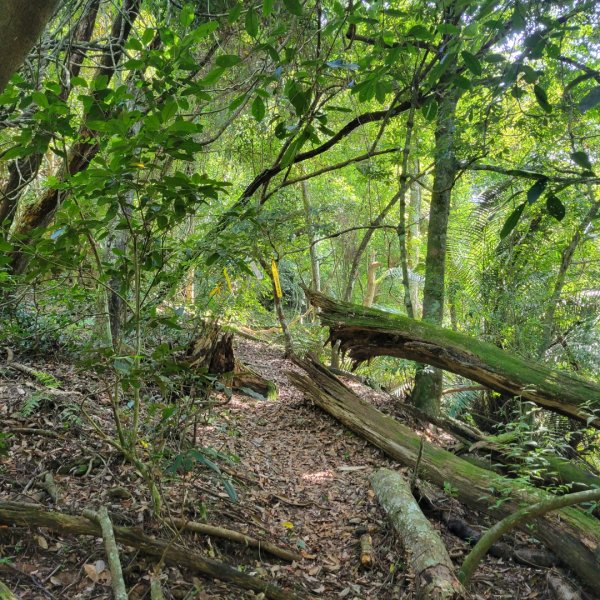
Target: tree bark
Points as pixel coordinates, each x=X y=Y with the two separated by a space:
x=366 y=332
x=21 y=24
x=427 y=392
x=434 y=571
x=569 y=533
x=29 y=515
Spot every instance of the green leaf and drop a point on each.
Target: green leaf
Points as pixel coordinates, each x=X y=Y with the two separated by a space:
x=420 y=32
x=294 y=7
x=299 y=98
x=267 y=7
x=555 y=207
x=430 y=110
x=590 y=100
x=258 y=109
x=542 y=98
x=234 y=13
x=228 y=60
x=582 y=159
x=512 y=221
x=230 y=490
x=252 y=23
x=536 y=190
x=472 y=62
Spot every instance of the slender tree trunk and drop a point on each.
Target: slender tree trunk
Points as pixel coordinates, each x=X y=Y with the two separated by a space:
x=565 y=263
x=413 y=237
x=315 y=267
x=427 y=392
x=371 y=281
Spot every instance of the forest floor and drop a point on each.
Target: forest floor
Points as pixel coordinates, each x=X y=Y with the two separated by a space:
x=301 y=480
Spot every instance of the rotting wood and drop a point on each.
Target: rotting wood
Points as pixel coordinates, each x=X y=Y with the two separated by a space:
x=366 y=550
x=30 y=515
x=561 y=589
x=365 y=333
x=569 y=533
x=236 y=536
x=434 y=572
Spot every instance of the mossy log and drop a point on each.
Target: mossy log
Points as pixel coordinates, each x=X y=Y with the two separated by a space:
x=569 y=533
x=434 y=572
x=213 y=350
x=364 y=333
x=30 y=515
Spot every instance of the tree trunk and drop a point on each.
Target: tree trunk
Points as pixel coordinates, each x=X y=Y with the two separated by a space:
x=569 y=533
x=427 y=392
x=371 y=281
x=21 y=24
x=315 y=268
x=434 y=571
x=366 y=332
x=213 y=350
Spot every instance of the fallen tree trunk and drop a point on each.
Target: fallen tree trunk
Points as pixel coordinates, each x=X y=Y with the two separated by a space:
x=29 y=515
x=569 y=533
x=434 y=571
x=364 y=333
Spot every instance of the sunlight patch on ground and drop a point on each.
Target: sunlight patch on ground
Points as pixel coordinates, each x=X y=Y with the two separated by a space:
x=319 y=476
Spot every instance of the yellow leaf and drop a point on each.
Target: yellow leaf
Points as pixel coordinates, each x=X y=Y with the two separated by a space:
x=139 y=165
x=226 y=275
x=276 y=279
x=288 y=525
x=216 y=290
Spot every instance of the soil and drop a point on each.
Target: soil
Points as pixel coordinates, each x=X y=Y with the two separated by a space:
x=300 y=478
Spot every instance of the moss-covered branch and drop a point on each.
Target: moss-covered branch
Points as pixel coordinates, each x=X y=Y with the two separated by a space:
x=493 y=534
x=364 y=333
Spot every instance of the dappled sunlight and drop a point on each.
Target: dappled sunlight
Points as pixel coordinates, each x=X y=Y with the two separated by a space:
x=318 y=477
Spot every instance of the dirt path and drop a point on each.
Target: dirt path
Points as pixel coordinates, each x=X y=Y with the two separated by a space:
x=301 y=480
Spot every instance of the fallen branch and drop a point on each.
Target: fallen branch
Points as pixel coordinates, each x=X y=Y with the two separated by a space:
x=511 y=521
x=364 y=333
x=236 y=536
x=428 y=556
x=112 y=552
x=29 y=515
x=569 y=533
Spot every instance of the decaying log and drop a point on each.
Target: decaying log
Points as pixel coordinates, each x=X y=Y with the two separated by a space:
x=30 y=515
x=364 y=333
x=561 y=589
x=213 y=350
x=569 y=533
x=112 y=552
x=236 y=536
x=434 y=571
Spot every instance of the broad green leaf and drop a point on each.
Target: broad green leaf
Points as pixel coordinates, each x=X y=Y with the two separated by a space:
x=555 y=207
x=430 y=110
x=582 y=159
x=536 y=190
x=228 y=60
x=542 y=98
x=590 y=100
x=299 y=98
x=252 y=23
x=234 y=13
x=267 y=8
x=512 y=220
x=293 y=6
x=472 y=62
x=258 y=109
x=420 y=32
